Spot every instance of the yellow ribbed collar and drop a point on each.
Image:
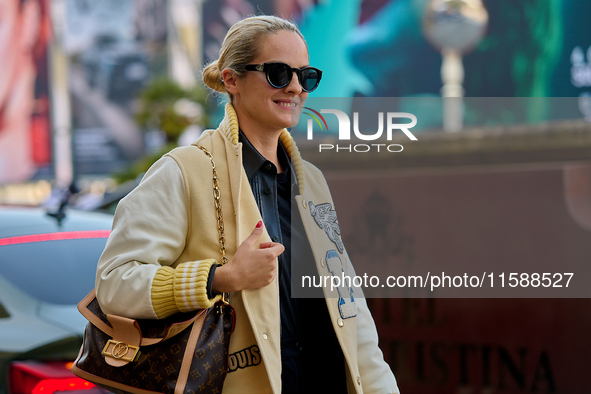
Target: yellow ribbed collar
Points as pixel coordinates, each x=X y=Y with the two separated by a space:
x=229 y=127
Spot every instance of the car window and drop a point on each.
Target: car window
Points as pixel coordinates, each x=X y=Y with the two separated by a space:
x=57 y=271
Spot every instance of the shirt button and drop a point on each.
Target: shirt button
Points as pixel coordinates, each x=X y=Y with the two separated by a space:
x=358 y=380
x=340 y=322
x=304 y=204
x=267 y=190
x=275 y=239
x=323 y=262
x=265 y=336
x=268 y=166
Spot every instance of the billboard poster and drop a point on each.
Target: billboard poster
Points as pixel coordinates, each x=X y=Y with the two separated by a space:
x=25 y=145
x=115 y=48
x=377 y=48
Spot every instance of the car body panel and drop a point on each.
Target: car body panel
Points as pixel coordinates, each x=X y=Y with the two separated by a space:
x=24 y=329
x=46 y=267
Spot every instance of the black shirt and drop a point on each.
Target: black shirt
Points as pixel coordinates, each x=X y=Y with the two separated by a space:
x=312 y=360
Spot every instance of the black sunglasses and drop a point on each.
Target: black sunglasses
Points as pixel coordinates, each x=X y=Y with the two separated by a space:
x=279 y=75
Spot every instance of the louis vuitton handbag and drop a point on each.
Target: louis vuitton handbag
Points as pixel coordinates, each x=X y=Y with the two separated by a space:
x=184 y=353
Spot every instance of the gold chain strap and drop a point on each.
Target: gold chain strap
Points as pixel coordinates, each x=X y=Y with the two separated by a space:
x=218 y=207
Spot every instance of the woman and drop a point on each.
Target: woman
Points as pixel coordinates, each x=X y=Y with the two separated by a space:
x=164 y=236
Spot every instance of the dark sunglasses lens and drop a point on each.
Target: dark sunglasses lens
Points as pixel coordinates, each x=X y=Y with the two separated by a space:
x=279 y=75
x=310 y=79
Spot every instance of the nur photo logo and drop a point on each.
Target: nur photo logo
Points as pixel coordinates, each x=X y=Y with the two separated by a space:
x=394 y=122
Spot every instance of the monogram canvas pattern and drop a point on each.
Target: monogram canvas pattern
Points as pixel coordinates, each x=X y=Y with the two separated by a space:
x=158 y=366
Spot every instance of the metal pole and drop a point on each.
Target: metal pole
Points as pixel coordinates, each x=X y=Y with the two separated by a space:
x=60 y=100
x=452 y=74
x=184 y=40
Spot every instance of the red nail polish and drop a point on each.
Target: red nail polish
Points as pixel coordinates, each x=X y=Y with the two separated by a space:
x=260 y=224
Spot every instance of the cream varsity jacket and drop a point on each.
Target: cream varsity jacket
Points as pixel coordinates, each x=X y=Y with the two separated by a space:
x=164 y=241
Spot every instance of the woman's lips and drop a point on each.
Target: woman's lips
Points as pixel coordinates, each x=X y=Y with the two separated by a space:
x=286 y=104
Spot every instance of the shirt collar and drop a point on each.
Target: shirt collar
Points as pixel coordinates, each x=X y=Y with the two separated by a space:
x=230 y=129
x=253 y=160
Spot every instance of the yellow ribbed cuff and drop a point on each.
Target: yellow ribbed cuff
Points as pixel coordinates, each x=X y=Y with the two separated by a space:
x=163 y=293
x=190 y=285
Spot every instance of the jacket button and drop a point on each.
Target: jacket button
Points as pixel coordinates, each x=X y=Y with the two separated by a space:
x=275 y=239
x=265 y=336
x=323 y=262
x=340 y=322
x=267 y=190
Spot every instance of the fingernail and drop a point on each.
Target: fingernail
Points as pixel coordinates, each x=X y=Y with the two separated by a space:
x=260 y=224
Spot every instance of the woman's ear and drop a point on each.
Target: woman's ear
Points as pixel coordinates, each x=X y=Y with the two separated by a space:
x=230 y=80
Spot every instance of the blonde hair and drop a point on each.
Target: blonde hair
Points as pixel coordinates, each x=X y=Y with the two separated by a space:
x=241 y=45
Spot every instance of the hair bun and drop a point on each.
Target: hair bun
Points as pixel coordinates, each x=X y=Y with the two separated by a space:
x=212 y=77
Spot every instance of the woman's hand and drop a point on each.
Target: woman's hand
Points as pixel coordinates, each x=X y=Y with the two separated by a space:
x=251 y=267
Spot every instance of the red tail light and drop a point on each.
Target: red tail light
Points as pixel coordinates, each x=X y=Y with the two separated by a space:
x=34 y=377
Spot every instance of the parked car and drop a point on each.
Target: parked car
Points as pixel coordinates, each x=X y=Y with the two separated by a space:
x=47 y=265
